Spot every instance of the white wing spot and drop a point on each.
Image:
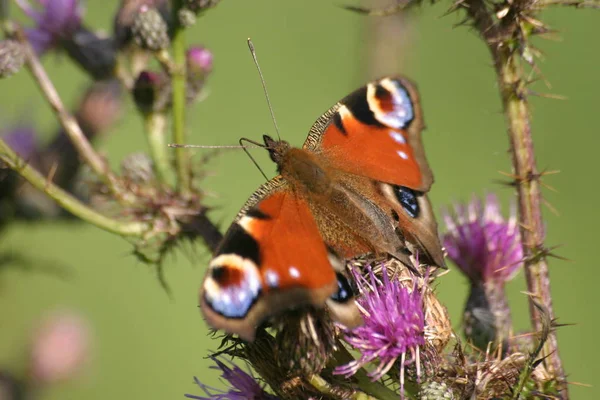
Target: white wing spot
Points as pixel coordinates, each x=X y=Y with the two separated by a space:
x=272 y=278
x=294 y=273
x=402 y=154
x=398 y=137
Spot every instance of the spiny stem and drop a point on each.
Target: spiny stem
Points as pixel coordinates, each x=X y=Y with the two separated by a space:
x=182 y=160
x=155 y=132
x=70 y=125
x=66 y=200
x=570 y=3
x=517 y=115
x=512 y=83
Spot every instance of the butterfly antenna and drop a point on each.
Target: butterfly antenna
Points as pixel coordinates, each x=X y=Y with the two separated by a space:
x=250 y=155
x=264 y=85
x=202 y=146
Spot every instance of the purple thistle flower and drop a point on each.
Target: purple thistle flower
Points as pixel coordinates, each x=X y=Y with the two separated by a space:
x=22 y=140
x=199 y=60
x=481 y=242
x=243 y=385
x=393 y=325
x=54 y=20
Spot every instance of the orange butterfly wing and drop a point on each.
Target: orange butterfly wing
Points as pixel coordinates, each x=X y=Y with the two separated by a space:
x=272 y=258
x=376 y=132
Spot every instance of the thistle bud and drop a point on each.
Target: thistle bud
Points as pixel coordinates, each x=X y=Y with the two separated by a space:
x=198 y=6
x=12 y=57
x=151 y=92
x=435 y=391
x=187 y=17
x=305 y=342
x=199 y=63
x=149 y=29
x=138 y=168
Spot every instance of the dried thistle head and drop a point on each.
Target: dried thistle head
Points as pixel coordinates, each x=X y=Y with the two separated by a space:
x=305 y=341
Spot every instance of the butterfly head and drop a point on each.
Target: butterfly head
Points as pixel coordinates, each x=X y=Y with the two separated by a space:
x=276 y=148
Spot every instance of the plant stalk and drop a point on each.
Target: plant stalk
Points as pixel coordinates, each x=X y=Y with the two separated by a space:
x=516 y=109
x=155 y=131
x=182 y=158
x=517 y=114
x=66 y=200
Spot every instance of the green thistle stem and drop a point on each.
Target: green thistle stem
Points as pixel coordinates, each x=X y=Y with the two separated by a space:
x=324 y=387
x=364 y=382
x=66 y=200
x=155 y=132
x=182 y=160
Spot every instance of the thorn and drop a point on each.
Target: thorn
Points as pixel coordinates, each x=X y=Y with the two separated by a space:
x=551 y=96
x=382 y=12
x=50 y=176
x=552 y=209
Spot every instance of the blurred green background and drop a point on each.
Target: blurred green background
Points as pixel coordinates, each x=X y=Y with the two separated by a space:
x=149 y=345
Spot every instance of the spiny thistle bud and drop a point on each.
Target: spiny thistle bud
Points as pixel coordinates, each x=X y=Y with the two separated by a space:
x=198 y=6
x=12 y=57
x=305 y=342
x=138 y=168
x=152 y=92
x=199 y=60
x=435 y=391
x=199 y=64
x=186 y=17
x=243 y=385
x=150 y=30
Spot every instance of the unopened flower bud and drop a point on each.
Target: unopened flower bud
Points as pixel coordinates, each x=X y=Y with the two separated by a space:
x=12 y=57
x=199 y=65
x=138 y=167
x=150 y=30
x=187 y=17
x=199 y=60
x=151 y=92
x=436 y=391
x=200 y=5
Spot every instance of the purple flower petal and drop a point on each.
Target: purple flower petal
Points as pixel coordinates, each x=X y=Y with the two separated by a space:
x=393 y=324
x=243 y=385
x=54 y=20
x=481 y=242
x=22 y=140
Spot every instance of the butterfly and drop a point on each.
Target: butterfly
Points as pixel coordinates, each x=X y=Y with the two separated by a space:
x=357 y=186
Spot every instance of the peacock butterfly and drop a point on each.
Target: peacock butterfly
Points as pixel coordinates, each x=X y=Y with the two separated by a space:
x=357 y=186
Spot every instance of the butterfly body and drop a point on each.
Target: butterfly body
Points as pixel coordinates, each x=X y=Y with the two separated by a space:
x=356 y=187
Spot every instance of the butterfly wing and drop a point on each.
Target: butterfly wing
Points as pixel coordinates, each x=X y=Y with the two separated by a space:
x=374 y=134
x=271 y=259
